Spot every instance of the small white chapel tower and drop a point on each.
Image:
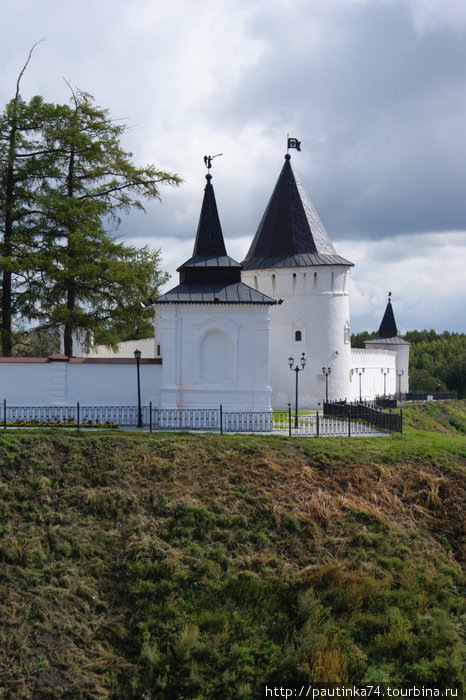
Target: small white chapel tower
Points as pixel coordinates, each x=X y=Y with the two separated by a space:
x=213 y=328
x=293 y=260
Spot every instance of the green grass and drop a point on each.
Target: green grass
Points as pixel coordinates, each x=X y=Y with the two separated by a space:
x=200 y=566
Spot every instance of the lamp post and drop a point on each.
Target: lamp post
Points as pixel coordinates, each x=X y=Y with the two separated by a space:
x=137 y=356
x=297 y=369
x=385 y=371
x=326 y=372
x=399 y=375
x=359 y=372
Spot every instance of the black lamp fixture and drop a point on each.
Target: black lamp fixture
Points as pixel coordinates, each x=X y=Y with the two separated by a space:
x=359 y=372
x=385 y=371
x=137 y=357
x=399 y=375
x=326 y=371
x=297 y=369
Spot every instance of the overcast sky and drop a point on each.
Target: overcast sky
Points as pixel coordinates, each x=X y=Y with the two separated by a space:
x=375 y=90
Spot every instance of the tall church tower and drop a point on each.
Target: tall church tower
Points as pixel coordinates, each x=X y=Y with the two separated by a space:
x=293 y=260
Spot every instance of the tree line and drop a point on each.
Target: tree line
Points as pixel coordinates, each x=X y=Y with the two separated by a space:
x=435 y=359
x=64 y=179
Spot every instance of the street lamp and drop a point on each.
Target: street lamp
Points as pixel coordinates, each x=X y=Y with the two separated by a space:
x=137 y=357
x=385 y=372
x=399 y=375
x=326 y=372
x=359 y=372
x=297 y=369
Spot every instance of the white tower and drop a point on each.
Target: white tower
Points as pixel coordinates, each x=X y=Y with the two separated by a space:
x=387 y=339
x=213 y=329
x=292 y=260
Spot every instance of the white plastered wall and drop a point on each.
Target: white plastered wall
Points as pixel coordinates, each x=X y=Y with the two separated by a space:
x=214 y=354
x=379 y=375
x=58 y=383
x=316 y=303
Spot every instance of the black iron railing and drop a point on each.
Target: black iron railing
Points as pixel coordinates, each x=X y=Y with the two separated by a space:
x=359 y=412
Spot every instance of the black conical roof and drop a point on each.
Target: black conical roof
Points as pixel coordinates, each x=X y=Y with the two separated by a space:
x=388 y=327
x=291 y=233
x=210 y=275
x=209 y=251
x=209 y=236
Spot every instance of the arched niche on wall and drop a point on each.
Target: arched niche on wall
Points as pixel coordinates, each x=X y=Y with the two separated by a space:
x=217 y=351
x=215 y=356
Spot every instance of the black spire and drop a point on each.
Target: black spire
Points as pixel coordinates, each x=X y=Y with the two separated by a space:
x=210 y=262
x=290 y=233
x=210 y=275
x=209 y=236
x=388 y=327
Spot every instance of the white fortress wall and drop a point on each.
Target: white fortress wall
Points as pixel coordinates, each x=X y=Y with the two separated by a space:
x=376 y=364
x=45 y=382
x=147 y=346
x=212 y=357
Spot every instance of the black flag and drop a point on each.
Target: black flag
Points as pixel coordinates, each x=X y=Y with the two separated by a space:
x=294 y=143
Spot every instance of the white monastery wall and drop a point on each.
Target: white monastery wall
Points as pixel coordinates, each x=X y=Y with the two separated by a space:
x=45 y=382
x=212 y=356
x=401 y=351
x=147 y=346
x=375 y=364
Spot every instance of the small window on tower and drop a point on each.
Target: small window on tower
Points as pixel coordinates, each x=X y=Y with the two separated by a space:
x=298 y=336
x=347 y=332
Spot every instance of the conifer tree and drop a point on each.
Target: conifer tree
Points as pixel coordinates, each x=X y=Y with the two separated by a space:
x=63 y=177
x=94 y=283
x=24 y=164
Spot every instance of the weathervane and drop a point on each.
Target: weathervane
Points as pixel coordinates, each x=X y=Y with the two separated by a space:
x=208 y=160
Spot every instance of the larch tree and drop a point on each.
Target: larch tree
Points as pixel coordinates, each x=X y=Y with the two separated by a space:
x=24 y=163
x=65 y=177
x=95 y=284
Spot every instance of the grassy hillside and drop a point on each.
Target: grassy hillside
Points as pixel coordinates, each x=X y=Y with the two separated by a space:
x=200 y=566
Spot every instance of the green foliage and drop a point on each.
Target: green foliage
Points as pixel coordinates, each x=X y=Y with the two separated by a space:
x=201 y=566
x=437 y=359
x=64 y=177
x=357 y=339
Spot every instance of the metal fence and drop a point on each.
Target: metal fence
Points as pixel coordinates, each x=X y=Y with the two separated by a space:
x=78 y=416
x=318 y=424
x=362 y=413
x=337 y=419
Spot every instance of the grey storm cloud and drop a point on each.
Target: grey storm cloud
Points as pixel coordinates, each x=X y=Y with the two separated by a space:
x=374 y=89
x=380 y=111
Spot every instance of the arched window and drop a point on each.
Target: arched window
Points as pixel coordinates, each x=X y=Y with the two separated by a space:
x=273 y=284
x=298 y=336
x=315 y=281
x=255 y=282
x=294 y=281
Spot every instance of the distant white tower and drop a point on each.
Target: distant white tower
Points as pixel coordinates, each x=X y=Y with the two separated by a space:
x=292 y=260
x=387 y=339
